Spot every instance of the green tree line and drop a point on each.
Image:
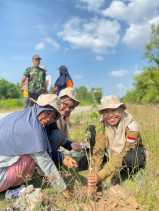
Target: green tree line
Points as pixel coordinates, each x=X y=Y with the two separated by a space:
x=86 y=96
x=9 y=90
x=146 y=84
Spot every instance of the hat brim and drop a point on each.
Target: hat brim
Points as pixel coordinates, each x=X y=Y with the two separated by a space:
x=43 y=105
x=77 y=102
x=113 y=106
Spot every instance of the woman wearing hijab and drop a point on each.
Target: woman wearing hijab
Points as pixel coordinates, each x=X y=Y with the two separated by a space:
x=63 y=81
x=121 y=146
x=24 y=144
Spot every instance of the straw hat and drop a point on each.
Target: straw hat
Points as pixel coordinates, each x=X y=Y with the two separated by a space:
x=48 y=100
x=69 y=92
x=110 y=102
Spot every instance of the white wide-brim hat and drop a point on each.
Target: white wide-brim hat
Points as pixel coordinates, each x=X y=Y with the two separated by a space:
x=69 y=92
x=49 y=100
x=110 y=102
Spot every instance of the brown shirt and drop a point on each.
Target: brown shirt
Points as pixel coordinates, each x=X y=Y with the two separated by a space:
x=115 y=160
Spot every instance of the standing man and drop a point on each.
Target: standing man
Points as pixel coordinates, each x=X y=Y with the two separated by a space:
x=33 y=83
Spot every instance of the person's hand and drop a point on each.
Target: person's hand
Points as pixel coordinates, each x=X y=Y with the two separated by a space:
x=93 y=179
x=77 y=147
x=69 y=162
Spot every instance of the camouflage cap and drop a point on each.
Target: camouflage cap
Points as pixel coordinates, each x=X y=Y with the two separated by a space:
x=69 y=92
x=36 y=56
x=110 y=102
x=49 y=100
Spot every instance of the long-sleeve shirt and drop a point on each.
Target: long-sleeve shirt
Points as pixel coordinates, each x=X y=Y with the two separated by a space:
x=62 y=125
x=116 y=159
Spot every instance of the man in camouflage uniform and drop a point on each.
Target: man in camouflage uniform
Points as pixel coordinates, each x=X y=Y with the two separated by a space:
x=35 y=77
x=122 y=145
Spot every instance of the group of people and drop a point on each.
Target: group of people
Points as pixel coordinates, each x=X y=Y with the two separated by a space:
x=30 y=139
x=34 y=81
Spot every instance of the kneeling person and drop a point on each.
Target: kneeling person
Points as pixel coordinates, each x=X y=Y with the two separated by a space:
x=24 y=144
x=58 y=133
x=122 y=144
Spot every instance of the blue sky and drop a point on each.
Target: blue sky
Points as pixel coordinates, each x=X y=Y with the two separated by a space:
x=100 y=41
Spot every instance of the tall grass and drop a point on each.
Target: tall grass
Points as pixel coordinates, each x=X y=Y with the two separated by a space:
x=145 y=184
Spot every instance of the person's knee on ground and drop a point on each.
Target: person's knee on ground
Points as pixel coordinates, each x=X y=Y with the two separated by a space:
x=132 y=163
x=135 y=159
x=19 y=173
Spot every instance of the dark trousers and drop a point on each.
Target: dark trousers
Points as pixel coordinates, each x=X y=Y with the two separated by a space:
x=28 y=102
x=134 y=160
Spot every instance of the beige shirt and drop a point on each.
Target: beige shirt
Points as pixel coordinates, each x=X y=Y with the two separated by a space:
x=117 y=149
x=62 y=124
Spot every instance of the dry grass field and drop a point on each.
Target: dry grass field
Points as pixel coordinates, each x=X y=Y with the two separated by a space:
x=143 y=187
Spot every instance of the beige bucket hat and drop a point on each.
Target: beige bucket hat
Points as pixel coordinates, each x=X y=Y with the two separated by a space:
x=49 y=100
x=110 y=102
x=69 y=92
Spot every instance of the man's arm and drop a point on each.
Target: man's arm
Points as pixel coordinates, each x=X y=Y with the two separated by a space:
x=67 y=144
x=116 y=161
x=22 y=82
x=24 y=78
x=46 y=83
x=99 y=151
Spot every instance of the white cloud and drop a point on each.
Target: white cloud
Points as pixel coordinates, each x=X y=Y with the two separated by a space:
x=96 y=34
x=134 y=11
x=154 y=21
x=47 y=41
x=119 y=73
x=117 y=9
x=90 y=4
x=137 y=35
x=52 y=42
x=139 y=15
x=40 y=46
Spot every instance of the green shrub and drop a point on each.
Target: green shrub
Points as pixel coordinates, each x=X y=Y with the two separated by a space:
x=11 y=103
x=8 y=90
x=146 y=87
